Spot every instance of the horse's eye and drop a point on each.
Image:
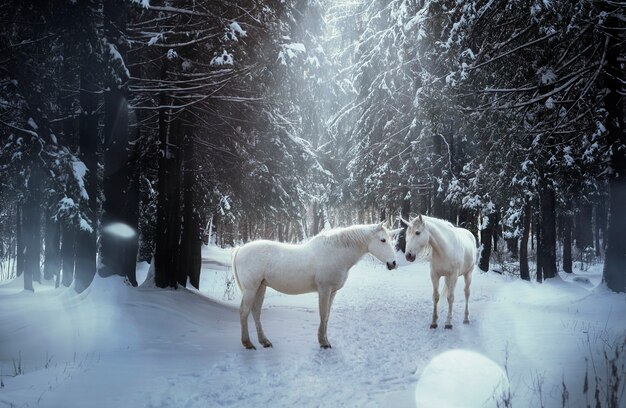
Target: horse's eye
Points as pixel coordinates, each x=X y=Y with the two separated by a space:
x=417 y=232
x=383 y=240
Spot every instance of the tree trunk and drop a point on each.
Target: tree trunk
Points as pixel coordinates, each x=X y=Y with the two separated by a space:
x=584 y=235
x=512 y=247
x=496 y=230
x=538 y=252
x=68 y=254
x=547 y=237
x=523 y=248
x=405 y=212
x=86 y=246
x=131 y=218
x=614 y=273
x=486 y=237
x=602 y=223
x=596 y=230
x=118 y=253
x=567 y=243
x=52 y=255
x=68 y=138
x=168 y=205
x=315 y=222
x=191 y=241
x=20 y=242
x=32 y=228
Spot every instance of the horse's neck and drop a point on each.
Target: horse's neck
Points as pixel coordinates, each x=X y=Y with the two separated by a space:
x=347 y=255
x=351 y=256
x=438 y=238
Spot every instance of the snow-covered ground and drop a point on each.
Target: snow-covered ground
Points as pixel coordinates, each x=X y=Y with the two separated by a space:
x=115 y=345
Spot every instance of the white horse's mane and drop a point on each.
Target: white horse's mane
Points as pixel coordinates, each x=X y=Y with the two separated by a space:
x=352 y=236
x=440 y=222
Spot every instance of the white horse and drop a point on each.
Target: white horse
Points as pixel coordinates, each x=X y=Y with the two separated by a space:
x=320 y=264
x=453 y=255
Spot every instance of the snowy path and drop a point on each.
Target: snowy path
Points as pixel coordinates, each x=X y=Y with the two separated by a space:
x=118 y=346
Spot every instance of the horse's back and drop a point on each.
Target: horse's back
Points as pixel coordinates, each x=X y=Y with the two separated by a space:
x=275 y=264
x=263 y=253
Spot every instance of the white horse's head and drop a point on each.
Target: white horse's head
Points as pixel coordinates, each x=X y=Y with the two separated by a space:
x=380 y=246
x=417 y=237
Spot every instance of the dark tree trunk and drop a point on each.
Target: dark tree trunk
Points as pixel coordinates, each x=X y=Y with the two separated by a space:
x=68 y=254
x=511 y=246
x=316 y=218
x=85 y=268
x=162 y=259
x=52 y=255
x=168 y=208
x=31 y=227
x=523 y=248
x=539 y=253
x=406 y=204
x=69 y=78
x=567 y=242
x=405 y=212
x=20 y=242
x=584 y=235
x=602 y=221
x=191 y=241
x=615 y=262
x=486 y=237
x=546 y=248
x=597 y=227
x=496 y=230
x=132 y=217
x=119 y=253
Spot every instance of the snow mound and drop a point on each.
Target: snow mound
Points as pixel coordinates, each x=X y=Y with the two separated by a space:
x=461 y=378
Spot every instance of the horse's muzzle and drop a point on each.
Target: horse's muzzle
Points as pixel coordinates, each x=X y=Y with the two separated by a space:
x=391 y=265
x=410 y=257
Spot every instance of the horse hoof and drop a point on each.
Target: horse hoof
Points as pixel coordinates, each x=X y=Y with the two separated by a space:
x=248 y=345
x=325 y=346
x=433 y=326
x=465 y=321
x=267 y=344
x=448 y=326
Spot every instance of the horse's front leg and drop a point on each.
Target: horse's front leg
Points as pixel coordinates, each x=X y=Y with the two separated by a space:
x=450 y=282
x=435 y=279
x=325 y=300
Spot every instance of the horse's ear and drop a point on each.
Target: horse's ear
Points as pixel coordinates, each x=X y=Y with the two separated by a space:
x=404 y=222
x=419 y=217
x=380 y=226
x=394 y=232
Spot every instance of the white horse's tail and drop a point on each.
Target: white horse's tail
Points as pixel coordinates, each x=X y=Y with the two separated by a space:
x=235 y=267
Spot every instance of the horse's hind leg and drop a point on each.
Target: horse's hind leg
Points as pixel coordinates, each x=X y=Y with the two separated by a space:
x=435 y=280
x=468 y=281
x=450 y=282
x=247 y=301
x=256 y=314
x=325 y=300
